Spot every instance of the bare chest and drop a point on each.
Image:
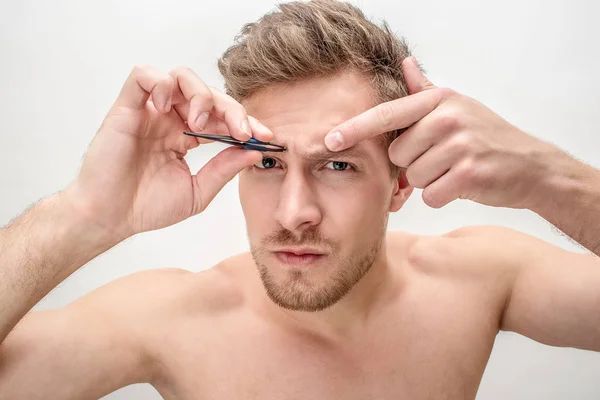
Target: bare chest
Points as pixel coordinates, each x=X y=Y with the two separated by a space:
x=422 y=353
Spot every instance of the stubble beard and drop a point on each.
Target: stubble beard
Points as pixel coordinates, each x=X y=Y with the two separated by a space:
x=297 y=293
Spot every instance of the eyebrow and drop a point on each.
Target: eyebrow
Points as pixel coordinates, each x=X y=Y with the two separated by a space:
x=324 y=154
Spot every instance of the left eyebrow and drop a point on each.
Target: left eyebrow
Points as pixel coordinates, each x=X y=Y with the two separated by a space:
x=324 y=154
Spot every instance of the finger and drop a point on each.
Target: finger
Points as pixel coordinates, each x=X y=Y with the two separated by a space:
x=433 y=129
x=192 y=93
x=409 y=146
x=233 y=113
x=434 y=163
x=218 y=171
x=444 y=190
x=215 y=127
x=182 y=108
x=260 y=131
x=142 y=82
x=385 y=117
x=413 y=76
x=219 y=127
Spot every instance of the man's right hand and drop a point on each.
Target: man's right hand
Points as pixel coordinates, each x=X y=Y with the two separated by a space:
x=134 y=178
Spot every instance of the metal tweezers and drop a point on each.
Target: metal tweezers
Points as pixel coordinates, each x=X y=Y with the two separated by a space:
x=252 y=144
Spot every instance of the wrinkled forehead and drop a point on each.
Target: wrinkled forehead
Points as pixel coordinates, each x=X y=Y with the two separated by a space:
x=300 y=114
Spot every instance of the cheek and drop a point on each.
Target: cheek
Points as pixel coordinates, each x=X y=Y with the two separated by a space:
x=357 y=208
x=258 y=201
x=360 y=192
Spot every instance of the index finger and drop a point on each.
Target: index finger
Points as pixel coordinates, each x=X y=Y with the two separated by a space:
x=385 y=117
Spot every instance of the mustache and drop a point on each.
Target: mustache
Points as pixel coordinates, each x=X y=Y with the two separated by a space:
x=310 y=236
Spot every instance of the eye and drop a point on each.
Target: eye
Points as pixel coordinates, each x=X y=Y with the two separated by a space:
x=266 y=163
x=337 y=165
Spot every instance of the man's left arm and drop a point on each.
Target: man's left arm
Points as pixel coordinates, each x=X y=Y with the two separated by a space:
x=569 y=198
x=552 y=295
x=453 y=147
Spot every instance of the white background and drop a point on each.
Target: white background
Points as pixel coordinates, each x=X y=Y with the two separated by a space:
x=62 y=64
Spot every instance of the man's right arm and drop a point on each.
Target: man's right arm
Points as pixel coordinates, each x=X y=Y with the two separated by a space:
x=133 y=179
x=94 y=346
x=39 y=250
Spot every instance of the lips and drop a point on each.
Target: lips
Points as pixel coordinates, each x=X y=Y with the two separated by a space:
x=300 y=251
x=299 y=256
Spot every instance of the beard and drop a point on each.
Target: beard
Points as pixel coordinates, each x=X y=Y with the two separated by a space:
x=297 y=292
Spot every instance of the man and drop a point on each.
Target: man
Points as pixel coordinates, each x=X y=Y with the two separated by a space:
x=326 y=305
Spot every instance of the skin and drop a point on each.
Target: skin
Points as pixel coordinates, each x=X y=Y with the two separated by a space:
x=420 y=323
x=309 y=199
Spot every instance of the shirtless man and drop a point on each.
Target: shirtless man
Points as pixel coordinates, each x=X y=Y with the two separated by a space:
x=326 y=305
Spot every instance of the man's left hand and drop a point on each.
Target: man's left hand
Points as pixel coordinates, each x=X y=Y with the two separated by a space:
x=454 y=146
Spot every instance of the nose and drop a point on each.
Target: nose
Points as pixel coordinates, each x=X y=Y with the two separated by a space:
x=297 y=209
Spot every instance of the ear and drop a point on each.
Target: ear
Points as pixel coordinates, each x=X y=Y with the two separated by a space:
x=402 y=191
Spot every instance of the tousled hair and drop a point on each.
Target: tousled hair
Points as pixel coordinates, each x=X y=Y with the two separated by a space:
x=319 y=38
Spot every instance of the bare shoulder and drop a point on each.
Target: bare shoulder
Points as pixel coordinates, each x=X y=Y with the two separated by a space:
x=507 y=249
x=171 y=292
x=128 y=327
x=486 y=231
x=480 y=250
x=227 y=285
x=508 y=246
x=478 y=264
x=134 y=298
x=137 y=287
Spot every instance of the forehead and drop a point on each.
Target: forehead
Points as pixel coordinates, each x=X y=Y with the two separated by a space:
x=300 y=114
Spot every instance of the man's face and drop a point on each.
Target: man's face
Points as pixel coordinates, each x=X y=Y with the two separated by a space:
x=315 y=219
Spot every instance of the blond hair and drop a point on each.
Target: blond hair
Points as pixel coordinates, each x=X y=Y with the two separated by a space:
x=318 y=38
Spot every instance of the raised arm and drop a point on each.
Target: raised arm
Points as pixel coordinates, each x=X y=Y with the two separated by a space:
x=93 y=346
x=133 y=179
x=454 y=147
x=555 y=296
x=569 y=198
x=548 y=294
x=40 y=249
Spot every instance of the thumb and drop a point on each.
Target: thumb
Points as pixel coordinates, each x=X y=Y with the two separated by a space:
x=413 y=76
x=218 y=171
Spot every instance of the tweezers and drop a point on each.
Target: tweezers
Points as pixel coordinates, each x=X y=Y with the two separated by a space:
x=252 y=144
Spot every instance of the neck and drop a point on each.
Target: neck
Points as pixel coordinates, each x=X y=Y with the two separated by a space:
x=354 y=310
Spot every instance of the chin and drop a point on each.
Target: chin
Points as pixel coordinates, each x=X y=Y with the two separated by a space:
x=312 y=283
x=302 y=299
x=305 y=289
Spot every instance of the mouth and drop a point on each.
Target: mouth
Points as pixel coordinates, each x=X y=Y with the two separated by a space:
x=299 y=256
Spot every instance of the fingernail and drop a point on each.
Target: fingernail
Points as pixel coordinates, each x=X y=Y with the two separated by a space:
x=334 y=141
x=168 y=105
x=245 y=128
x=202 y=120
